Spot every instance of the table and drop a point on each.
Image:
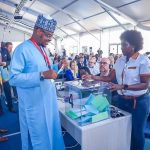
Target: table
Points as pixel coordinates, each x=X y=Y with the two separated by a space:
x=110 y=134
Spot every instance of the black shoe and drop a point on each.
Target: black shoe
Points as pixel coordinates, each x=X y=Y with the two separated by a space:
x=12 y=110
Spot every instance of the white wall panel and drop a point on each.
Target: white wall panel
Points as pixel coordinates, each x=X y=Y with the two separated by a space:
x=12 y=35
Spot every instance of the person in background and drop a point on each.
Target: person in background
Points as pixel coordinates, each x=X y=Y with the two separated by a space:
x=81 y=62
x=71 y=56
x=64 y=52
x=112 y=61
x=93 y=66
x=31 y=73
x=1 y=108
x=5 y=62
x=104 y=67
x=9 y=47
x=62 y=67
x=76 y=58
x=55 y=64
x=132 y=72
x=105 y=70
x=84 y=71
x=72 y=72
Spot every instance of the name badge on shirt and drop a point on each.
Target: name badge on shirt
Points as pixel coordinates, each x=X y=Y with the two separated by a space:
x=134 y=67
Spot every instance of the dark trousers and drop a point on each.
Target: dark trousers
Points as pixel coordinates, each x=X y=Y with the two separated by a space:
x=0 y=103
x=15 y=92
x=7 y=91
x=139 y=118
x=1 y=98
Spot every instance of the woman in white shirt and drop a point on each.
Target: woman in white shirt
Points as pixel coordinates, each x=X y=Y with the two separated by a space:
x=132 y=72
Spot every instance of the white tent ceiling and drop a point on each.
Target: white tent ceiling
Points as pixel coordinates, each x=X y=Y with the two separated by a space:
x=76 y=16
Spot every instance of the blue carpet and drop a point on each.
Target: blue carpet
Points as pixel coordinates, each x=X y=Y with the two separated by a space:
x=147 y=144
x=10 y=121
x=147 y=130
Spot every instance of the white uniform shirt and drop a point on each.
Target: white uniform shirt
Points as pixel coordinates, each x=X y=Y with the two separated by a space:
x=129 y=72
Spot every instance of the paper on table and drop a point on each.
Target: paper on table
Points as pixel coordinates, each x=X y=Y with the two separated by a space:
x=89 y=100
x=91 y=109
x=100 y=102
x=81 y=113
x=100 y=116
x=84 y=119
x=72 y=114
x=75 y=113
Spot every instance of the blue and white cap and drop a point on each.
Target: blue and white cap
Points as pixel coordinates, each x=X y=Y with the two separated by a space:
x=46 y=22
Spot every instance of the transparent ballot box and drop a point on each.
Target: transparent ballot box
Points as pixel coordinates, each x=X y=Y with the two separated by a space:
x=88 y=102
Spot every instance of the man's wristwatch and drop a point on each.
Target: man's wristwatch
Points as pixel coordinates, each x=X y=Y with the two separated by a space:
x=125 y=86
x=41 y=76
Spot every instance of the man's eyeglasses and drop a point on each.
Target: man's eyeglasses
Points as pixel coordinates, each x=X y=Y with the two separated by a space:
x=47 y=34
x=104 y=63
x=91 y=62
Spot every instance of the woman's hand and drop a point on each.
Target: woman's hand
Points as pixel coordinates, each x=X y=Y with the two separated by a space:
x=115 y=86
x=65 y=63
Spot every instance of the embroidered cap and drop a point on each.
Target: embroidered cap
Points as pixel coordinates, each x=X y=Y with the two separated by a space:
x=46 y=22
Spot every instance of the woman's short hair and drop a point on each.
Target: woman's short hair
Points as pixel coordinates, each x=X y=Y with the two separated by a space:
x=86 y=69
x=134 y=38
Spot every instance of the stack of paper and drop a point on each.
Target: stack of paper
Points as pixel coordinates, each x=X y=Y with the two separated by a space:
x=100 y=103
x=92 y=111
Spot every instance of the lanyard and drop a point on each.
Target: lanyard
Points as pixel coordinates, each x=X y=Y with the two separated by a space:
x=42 y=51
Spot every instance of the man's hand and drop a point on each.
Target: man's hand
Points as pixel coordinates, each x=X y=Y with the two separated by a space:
x=86 y=77
x=65 y=63
x=50 y=74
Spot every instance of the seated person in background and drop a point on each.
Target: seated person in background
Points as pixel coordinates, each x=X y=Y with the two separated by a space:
x=72 y=72
x=81 y=62
x=55 y=64
x=84 y=71
x=63 y=65
x=104 y=67
x=93 y=66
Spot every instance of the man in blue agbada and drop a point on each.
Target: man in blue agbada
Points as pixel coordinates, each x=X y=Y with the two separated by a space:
x=30 y=72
